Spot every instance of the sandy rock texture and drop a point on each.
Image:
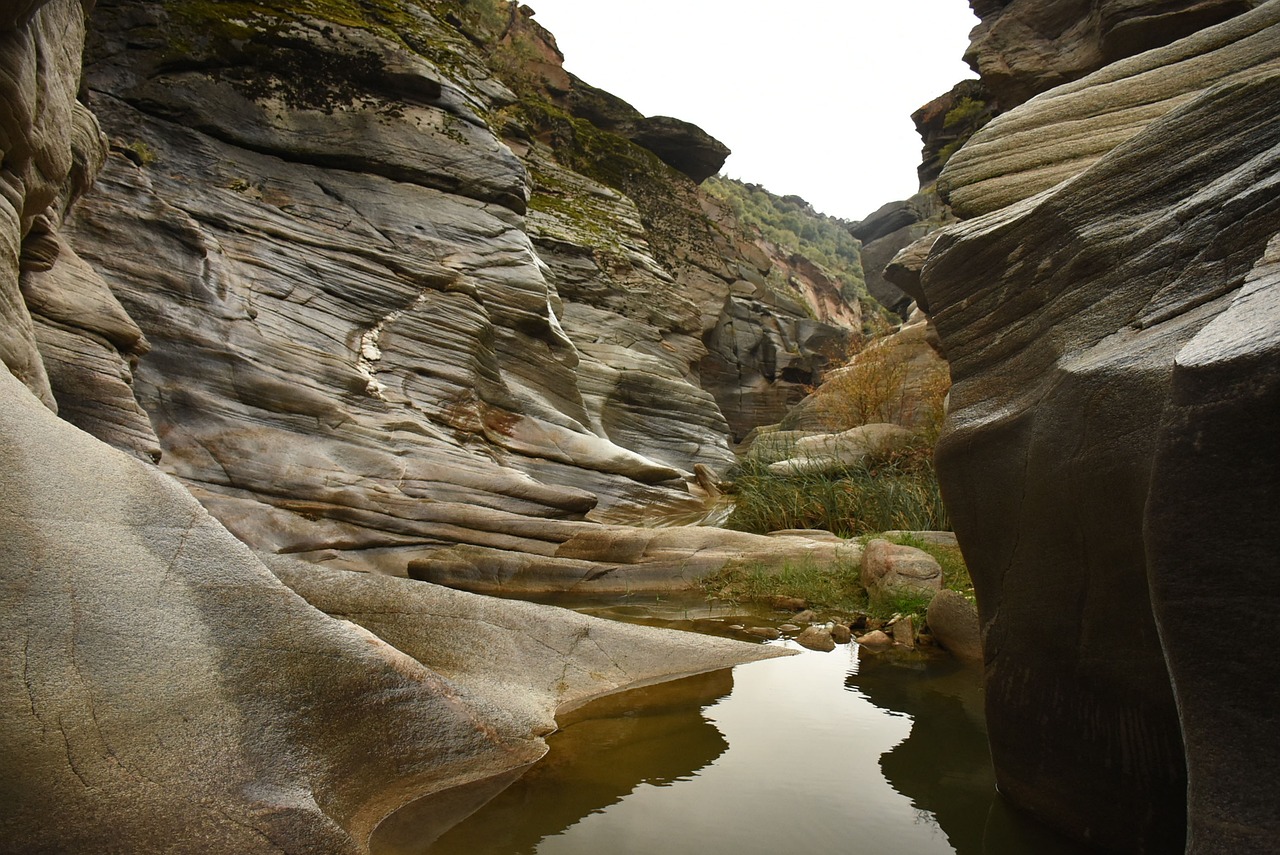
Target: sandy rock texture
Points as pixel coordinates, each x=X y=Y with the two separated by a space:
x=395 y=306
x=1121 y=261
x=163 y=691
x=1025 y=47
x=344 y=351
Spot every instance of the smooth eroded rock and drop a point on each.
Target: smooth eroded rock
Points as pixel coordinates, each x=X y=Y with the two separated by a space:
x=1064 y=315
x=889 y=569
x=816 y=638
x=953 y=622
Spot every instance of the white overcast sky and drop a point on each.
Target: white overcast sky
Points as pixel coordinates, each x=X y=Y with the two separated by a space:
x=814 y=96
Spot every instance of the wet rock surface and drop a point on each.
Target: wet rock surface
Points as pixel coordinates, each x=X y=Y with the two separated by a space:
x=816 y=638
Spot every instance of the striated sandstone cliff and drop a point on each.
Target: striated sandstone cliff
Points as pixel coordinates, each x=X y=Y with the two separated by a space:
x=360 y=326
x=1109 y=314
x=1023 y=47
x=397 y=303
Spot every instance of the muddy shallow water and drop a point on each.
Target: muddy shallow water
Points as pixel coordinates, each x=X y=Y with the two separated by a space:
x=818 y=751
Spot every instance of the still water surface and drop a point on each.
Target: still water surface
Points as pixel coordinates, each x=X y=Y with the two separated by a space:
x=818 y=751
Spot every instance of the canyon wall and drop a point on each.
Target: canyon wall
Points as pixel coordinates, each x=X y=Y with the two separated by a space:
x=367 y=303
x=394 y=305
x=1109 y=311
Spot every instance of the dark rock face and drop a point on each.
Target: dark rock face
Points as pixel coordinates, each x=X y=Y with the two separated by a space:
x=946 y=122
x=887 y=232
x=1025 y=47
x=681 y=145
x=1224 y=396
x=1107 y=338
x=953 y=622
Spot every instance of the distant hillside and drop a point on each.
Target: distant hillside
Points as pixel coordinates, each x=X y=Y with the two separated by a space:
x=792 y=224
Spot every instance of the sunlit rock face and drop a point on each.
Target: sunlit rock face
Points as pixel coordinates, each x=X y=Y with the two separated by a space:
x=1108 y=313
x=314 y=280
x=163 y=691
x=381 y=289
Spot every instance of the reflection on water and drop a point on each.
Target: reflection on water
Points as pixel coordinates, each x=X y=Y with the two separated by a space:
x=944 y=765
x=653 y=736
x=817 y=751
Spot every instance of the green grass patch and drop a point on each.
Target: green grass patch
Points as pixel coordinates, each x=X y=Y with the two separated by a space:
x=834 y=587
x=893 y=491
x=913 y=603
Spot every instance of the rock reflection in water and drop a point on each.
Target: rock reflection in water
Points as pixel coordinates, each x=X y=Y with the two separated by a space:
x=654 y=735
x=944 y=766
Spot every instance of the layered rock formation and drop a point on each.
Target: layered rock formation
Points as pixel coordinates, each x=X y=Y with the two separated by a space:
x=886 y=231
x=161 y=690
x=377 y=327
x=1019 y=49
x=314 y=282
x=1024 y=47
x=1108 y=313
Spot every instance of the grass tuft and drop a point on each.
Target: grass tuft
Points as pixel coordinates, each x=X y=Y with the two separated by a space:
x=895 y=490
x=835 y=587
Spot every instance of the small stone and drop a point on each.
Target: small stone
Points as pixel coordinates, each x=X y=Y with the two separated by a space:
x=788 y=604
x=904 y=632
x=875 y=638
x=789 y=627
x=767 y=632
x=954 y=622
x=806 y=616
x=841 y=634
x=816 y=638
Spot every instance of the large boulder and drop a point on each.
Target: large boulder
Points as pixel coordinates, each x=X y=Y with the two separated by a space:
x=832 y=452
x=891 y=569
x=1116 y=294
